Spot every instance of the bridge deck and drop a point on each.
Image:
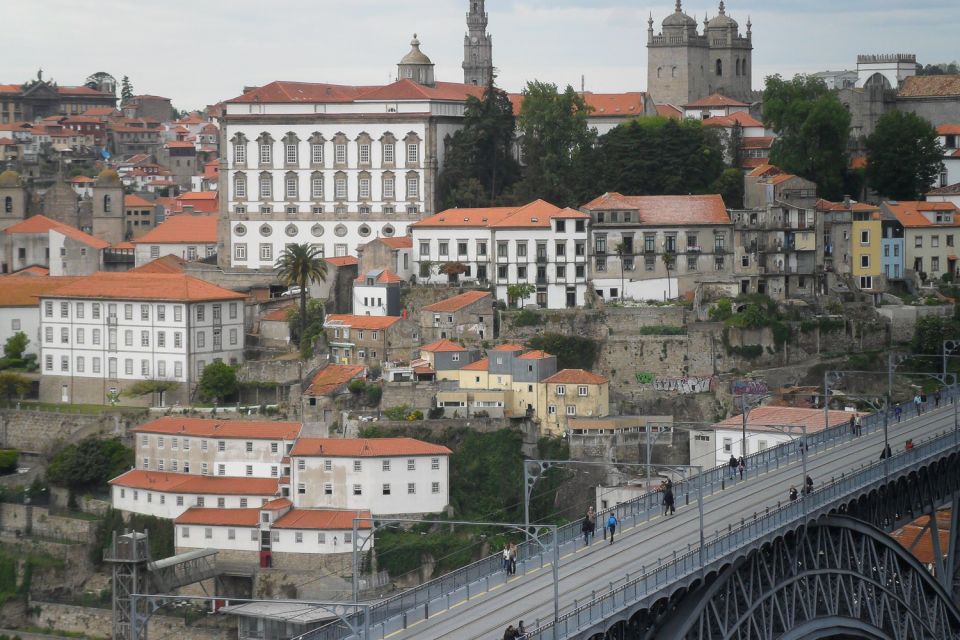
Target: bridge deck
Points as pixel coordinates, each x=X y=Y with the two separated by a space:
x=588 y=569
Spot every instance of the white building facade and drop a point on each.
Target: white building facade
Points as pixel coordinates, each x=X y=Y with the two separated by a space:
x=167 y=495
x=105 y=332
x=539 y=244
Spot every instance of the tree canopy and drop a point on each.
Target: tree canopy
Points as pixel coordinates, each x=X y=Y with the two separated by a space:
x=654 y=156
x=301 y=265
x=553 y=136
x=16 y=345
x=126 y=89
x=813 y=128
x=904 y=156
x=218 y=381
x=480 y=164
x=90 y=463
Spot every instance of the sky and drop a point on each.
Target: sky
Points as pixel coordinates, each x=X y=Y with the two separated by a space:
x=198 y=52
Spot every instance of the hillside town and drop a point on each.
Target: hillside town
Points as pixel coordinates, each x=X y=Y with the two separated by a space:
x=331 y=342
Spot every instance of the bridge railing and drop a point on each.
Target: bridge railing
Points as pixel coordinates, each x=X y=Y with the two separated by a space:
x=477 y=577
x=776 y=522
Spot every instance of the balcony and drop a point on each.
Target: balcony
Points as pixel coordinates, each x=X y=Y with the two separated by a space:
x=541 y=259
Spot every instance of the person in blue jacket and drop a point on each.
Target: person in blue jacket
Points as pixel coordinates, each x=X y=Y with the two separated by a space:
x=612 y=525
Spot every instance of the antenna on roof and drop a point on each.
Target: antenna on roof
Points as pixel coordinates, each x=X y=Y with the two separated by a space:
x=583 y=83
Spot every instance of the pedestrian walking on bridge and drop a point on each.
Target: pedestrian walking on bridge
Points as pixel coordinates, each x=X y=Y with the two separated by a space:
x=612 y=525
x=668 y=501
x=741 y=467
x=793 y=493
x=898 y=411
x=733 y=466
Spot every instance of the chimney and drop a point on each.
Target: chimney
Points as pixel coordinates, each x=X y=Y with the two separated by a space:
x=847 y=201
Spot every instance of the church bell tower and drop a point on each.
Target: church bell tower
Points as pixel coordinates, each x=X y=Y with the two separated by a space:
x=477 y=47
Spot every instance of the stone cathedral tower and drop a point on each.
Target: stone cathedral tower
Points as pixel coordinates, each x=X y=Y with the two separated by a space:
x=477 y=47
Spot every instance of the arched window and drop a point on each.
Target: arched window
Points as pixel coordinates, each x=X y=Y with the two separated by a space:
x=743 y=67
x=659 y=71
x=719 y=67
x=8 y=205
x=736 y=67
x=673 y=72
x=106 y=204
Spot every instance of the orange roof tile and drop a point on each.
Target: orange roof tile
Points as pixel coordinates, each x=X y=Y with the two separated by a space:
x=220 y=517
x=82 y=179
x=134 y=200
x=667 y=210
x=930 y=86
x=277 y=503
x=18 y=291
x=761 y=418
x=183 y=229
x=716 y=100
x=43 y=224
x=329 y=519
x=441 y=346
x=858 y=162
x=210 y=428
x=536 y=354
x=669 y=111
x=189 y=483
x=757 y=142
x=763 y=170
x=131 y=285
x=459 y=302
x=34 y=270
x=280 y=314
x=190 y=196
x=163 y=264
x=361 y=322
x=383 y=277
x=910 y=214
x=575 y=376
x=614 y=104
x=398 y=242
x=535 y=214
x=509 y=346
x=483 y=364
x=742 y=118
x=332 y=377
x=404 y=89
x=826 y=205
x=122 y=246
x=365 y=448
x=342 y=261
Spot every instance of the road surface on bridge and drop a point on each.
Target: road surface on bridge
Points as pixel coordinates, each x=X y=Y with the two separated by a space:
x=530 y=597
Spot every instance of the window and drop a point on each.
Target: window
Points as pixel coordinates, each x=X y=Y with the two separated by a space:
x=728 y=445
x=221 y=503
x=918 y=241
x=443 y=248
x=340 y=187
x=80 y=364
x=178 y=313
x=413 y=153
x=935 y=263
x=327 y=489
x=144 y=338
x=328 y=465
x=128 y=338
x=48 y=334
x=389 y=187
x=571 y=410
x=363 y=150
x=180 y=502
x=552 y=409
x=865 y=261
x=434 y=487
x=411 y=464
x=316 y=153
x=240 y=153
x=128 y=312
x=201 y=339
x=357 y=490
x=64 y=335
x=582 y=390
x=79 y=310
x=239 y=190
x=96 y=336
x=934 y=241
x=413 y=187
x=64 y=309
x=266 y=252
x=364 y=188
x=340 y=153
x=96 y=310
x=290 y=186
x=435 y=464
x=266 y=185
x=184 y=531
x=411 y=488
x=128 y=367
x=266 y=153
x=291 y=153
x=207 y=531
x=221 y=446
x=221 y=469
x=561 y=389
x=866 y=282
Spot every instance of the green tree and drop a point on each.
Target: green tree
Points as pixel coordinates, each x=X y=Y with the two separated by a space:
x=904 y=156
x=149 y=387
x=315 y=316
x=126 y=90
x=930 y=332
x=554 y=134
x=517 y=292
x=13 y=384
x=479 y=164
x=90 y=463
x=573 y=352
x=218 y=380
x=730 y=186
x=813 y=128
x=301 y=265
x=652 y=156
x=16 y=345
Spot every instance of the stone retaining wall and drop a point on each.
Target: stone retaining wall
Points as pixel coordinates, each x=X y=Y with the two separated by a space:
x=19 y=517
x=45 y=432
x=98 y=623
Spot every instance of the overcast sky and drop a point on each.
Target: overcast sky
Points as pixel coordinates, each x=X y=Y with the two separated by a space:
x=198 y=52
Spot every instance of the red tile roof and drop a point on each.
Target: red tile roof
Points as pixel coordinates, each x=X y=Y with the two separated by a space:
x=361 y=322
x=19 y=291
x=210 y=428
x=342 y=261
x=536 y=354
x=134 y=200
x=742 y=118
x=220 y=517
x=536 y=214
x=277 y=503
x=163 y=264
x=930 y=86
x=442 y=346
x=761 y=418
x=483 y=364
x=509 y=346
x=949 y=130
x=404 y=89
x=716 y=100
x=183 y=229
x=179 y=144
x=575 y=376
x=175 y=287
x=188 y=483
x=398 y=242
x=909 y=214
x=333 y=377
x=193 y=196
x=43 y=224
x=826 y=205
x=459 y=302
x=764 y=170
x=35 y=270
x=667 y=210
x=614 y=104
x=384 y=277
x=280 y=314
x=122 y=246
x=669 y=111
x=328 y=519
x=917 y=537
x=365 y=448
x=757 y=142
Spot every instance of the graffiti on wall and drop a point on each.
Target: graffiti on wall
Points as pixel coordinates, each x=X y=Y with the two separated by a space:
x=688 y=384
x=749 y=388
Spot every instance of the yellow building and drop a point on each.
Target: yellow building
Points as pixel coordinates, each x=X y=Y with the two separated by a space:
x=866 y=247
x=569 y=394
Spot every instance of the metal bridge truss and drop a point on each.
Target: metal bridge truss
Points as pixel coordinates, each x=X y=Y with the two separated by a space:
x=839 y=574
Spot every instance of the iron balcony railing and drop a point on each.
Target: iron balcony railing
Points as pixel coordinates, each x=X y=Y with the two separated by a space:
x=399 y=611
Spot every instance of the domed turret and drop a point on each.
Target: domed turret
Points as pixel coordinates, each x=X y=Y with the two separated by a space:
x=416 y=65
x=722 y=20
x=679 y=19
x=9 y=179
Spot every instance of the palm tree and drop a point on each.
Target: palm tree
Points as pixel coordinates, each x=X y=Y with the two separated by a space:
x=301 y=265
x=621 y=251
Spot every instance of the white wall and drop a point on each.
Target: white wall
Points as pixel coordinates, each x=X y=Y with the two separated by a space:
x=245 y=538
x=235 y=458
x=144 y=252
x=369 y=301
x=27 y=318
x=333 y=541
x=653 y=289
x=164 y=504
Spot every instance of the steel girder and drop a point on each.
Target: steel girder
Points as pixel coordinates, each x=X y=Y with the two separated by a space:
x=835 y=574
